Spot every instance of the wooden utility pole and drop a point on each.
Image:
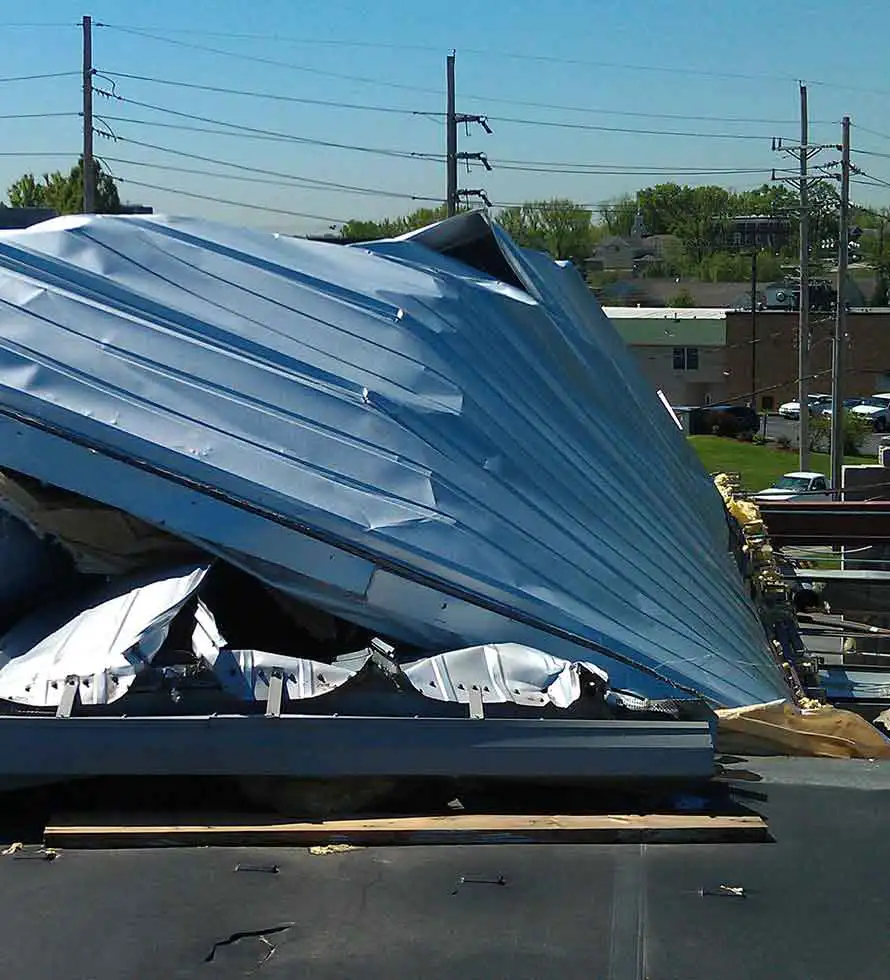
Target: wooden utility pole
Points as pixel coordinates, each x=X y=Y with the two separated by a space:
x=803 y=320
x=89 y=168
x=754 y=322
x=840 y=323
x=451 y=142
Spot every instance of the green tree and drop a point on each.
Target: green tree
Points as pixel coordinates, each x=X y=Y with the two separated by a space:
x=361 y=230
x=64 y=192
x=619 y=215
x=560 y=227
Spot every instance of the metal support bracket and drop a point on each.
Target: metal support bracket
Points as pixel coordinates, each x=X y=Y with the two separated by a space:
x=69 y=695
x=276 y=693
x=474 y=696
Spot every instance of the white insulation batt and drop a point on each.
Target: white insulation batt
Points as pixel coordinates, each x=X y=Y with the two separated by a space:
x=440 y=437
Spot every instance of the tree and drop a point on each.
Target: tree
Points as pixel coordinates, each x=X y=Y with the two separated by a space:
x=619 y=215
x=64 y=193
x=560 y=227
x=361 y=230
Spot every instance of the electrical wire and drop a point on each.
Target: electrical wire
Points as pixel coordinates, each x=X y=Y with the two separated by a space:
x=871 y=132
x=38 y=115
x=39 y=153
x=590 y=110
x=340 y=189
x=274 y=138
x=664 y=172
x=33 y=78
x=516 y=120
x=221 y=200
x=257 y=132
x=158 y=34
x=275 y=96
x=15 y=26
x=284 y=179
x=871 y=153
x=364 y=79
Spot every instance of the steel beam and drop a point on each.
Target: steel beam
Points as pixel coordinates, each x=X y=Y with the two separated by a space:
x=325 y=747
x=839 y=522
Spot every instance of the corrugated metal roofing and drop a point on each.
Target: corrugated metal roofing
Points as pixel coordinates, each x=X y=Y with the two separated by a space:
x=385 y=431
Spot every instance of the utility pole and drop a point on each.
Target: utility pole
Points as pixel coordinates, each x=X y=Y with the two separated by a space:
x=754 y=324
x=453 y=119
x=803 y=319
x=89 y=172
x=802 y=183
x=451 y=141
x=840 y=323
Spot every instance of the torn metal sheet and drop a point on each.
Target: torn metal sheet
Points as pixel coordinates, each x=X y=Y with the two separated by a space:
x=113 y=634
x=246 y=674
x=442 y=438
x=501 y=672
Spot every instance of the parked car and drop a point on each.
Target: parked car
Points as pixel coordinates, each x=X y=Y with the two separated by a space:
x=791 y=410
x=875 y=410
x=849 y=403
x=797 y=486
x=747 y=418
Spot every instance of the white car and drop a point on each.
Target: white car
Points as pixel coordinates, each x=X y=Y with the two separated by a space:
x=875 y=410
x=797 y=486
x=791 y=410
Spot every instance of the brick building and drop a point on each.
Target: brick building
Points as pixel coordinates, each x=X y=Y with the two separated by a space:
x=866 y=358
x=703 y=356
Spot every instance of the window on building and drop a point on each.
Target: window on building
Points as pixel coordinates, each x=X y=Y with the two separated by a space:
x=685 y=358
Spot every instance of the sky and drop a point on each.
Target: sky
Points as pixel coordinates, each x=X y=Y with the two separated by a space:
x=587 y=99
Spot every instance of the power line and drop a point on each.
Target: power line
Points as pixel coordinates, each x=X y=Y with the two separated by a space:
x=292 y=183
x=872 y=153
x=156 y=34
x=418 y=112
x=39 y=153
x=32 y=78
x=274 y=137
x=655 y=172
x=871 y=132
x=621 y=168
x=257 y=132
x=38 y=115
x=618 y=129
x=285 y=179
x=364 y=79
x=221 y=200
x=273 y=95
x=15 y=26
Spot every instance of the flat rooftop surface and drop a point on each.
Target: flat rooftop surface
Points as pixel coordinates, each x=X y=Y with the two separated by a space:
x=815 y=905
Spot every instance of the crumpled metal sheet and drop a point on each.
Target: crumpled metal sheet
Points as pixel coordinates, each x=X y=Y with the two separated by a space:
x=377 y=424
x=245 y=674
x=501 y=672
x=105 y=639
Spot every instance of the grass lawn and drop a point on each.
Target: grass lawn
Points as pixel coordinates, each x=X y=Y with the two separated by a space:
x=760 y=466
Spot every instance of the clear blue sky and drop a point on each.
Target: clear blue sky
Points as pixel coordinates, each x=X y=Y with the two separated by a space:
x=616 y=60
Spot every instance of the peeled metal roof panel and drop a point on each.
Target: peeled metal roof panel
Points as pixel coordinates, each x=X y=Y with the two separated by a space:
x=423 y=417
x=104 y=639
